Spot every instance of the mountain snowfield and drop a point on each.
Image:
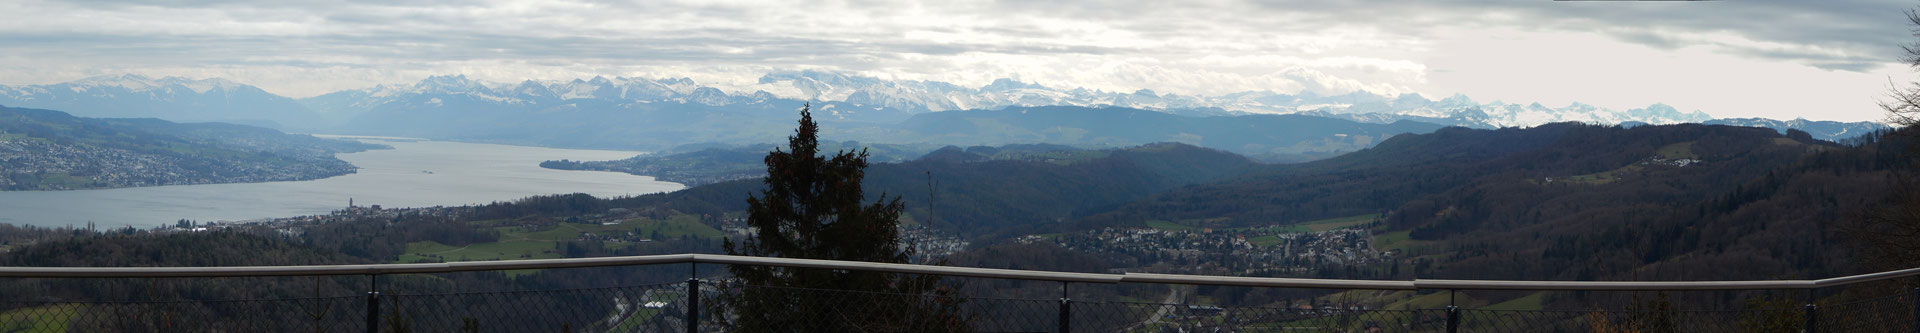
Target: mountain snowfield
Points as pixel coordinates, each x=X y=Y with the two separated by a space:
x=838 y=96
x=930 y=96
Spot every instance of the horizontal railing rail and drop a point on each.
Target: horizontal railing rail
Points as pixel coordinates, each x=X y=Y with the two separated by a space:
x=468 y=266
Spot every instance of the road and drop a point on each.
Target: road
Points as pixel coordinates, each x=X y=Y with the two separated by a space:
x=1168 y=305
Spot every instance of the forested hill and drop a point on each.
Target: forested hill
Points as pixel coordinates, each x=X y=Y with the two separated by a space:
x=1569 y=201
x=996 y=196
x=1281 y=138
x=51 y=150
x=1011 y=197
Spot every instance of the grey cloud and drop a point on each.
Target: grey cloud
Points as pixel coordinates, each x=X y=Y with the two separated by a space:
x=1870 y=28
x=1848 y=66
x=1649 y=39
x=373 y=33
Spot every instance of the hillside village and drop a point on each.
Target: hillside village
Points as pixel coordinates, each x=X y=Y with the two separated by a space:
x=28 y=164
x=1231 y=251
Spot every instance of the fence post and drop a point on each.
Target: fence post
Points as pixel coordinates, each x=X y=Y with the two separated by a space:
x=1453 y=314
x=1453 y=319
x=373 y=303
x=693 y=298
x=1811 y=319
x=1066 y=309
x=1916 y=307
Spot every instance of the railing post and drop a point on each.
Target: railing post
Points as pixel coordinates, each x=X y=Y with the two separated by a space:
x=1453 y=314
x=693 y=298
x=1916 y=308
x=1812 y=313
x=1066 y=309
x=373 y=303
x=1453 y=319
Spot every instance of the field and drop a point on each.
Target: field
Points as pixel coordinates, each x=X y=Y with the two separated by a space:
x=1677 y=151
x=520 y=243
x=1399 y=240
x=1267 y=239
x=1683 y=150
x=1264 y=240
x=1438 y=300
x=1528 y=302
x=1314 y=225
x=1169 y=226
x=1338 y=222
x=50 y=318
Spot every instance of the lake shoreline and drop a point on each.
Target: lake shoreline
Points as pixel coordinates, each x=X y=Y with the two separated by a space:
x=422 y=173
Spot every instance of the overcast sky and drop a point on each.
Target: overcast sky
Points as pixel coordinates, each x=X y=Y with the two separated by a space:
x=1823 y=60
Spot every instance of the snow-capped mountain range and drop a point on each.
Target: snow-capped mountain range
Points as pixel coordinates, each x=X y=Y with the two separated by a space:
x=838 y=96
x=1824 y=130
x=929 y=96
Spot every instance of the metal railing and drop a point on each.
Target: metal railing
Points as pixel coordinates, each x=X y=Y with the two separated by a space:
x=684 y=311
x=469 y=266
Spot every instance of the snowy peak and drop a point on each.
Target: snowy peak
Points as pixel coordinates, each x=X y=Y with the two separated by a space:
x=131 y=82
x=928 y=96
x=856 y=96
x=1668 y=114
x=139 y=83
x=450 y=84
x=1824 y=130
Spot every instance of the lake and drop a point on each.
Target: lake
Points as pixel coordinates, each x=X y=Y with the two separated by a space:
x=415 y=173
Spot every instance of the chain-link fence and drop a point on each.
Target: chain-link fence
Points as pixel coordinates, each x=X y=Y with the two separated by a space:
x=643 y=308
x=323 y=314
x=1630 y=321
x=1896 y=313
x=719 y=306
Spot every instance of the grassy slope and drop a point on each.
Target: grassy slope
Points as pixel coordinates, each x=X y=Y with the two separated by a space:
x=518 y=243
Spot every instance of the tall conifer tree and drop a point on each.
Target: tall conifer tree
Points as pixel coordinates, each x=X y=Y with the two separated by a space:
x=813 y=208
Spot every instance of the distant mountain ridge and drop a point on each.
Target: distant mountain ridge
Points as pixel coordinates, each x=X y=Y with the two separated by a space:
x=170 y=98
x=586 y=112
x=889 y=100
x=1279 y=138
x=52 y=150
x=1824 y=130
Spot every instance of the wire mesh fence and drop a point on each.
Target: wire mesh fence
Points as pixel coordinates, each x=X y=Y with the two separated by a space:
x=1157 y=317
x=642 y=308
x=323 y=314
x=1896 y=313
x=1630 y=321
x=664 y=307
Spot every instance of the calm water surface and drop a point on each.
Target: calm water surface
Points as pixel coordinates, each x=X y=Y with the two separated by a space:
x=413 y=174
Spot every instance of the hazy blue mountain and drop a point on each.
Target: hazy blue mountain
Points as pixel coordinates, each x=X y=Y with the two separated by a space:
x=658 y=113
x=1264 y=136
x=1824 y=130
x=655 y=114
x=868 y=99
x=170 y=98
x=52 y=150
